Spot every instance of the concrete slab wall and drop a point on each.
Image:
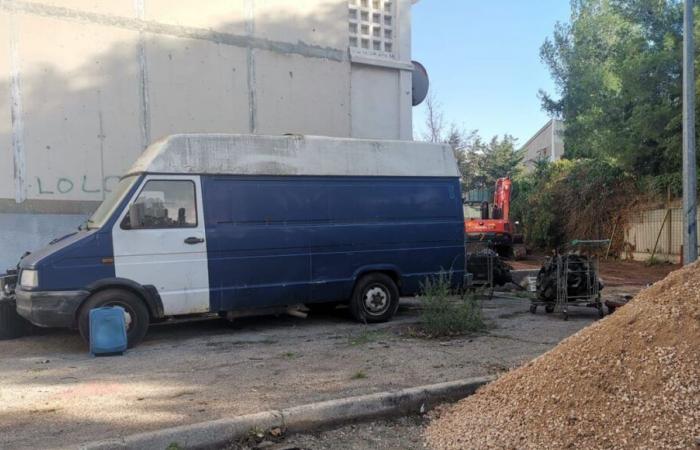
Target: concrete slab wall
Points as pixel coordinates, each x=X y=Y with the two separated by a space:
x=81 y=116
x=86 y=85
x=23 y=232
x=301 y=95
x=195 y=85
x=6 y=148
x=375 y=102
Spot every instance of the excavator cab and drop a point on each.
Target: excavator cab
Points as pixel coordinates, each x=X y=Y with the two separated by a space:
x=493 y=224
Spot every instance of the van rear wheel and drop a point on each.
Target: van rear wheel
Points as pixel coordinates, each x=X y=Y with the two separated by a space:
x=135 y=313
x=374 y=299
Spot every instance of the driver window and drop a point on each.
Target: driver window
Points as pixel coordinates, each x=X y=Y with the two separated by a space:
x=163 y=204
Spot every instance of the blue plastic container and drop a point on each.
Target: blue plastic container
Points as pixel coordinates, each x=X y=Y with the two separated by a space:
x=107 y=331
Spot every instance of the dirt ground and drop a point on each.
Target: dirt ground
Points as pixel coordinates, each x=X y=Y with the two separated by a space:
x=614 y=273
x=53 y=393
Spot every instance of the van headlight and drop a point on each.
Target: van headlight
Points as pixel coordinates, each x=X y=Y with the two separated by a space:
x=29 y=279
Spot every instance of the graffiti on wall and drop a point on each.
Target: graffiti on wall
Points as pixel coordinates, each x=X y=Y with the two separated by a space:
x=66 y=185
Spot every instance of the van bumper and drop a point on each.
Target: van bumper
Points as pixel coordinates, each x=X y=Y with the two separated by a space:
x=49 y=308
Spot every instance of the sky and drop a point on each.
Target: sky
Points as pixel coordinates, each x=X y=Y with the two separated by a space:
x=482 y=58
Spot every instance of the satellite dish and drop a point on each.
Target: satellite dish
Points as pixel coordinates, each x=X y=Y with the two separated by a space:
x=421 y=83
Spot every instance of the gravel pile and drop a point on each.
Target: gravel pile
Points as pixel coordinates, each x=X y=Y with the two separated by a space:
x=631 y=380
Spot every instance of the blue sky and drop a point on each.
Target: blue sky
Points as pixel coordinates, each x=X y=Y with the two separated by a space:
x=483 y=60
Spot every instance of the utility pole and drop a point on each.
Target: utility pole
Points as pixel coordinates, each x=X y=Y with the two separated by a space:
x=690 y=232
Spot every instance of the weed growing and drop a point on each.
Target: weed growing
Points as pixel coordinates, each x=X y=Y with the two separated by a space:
x=445 y=314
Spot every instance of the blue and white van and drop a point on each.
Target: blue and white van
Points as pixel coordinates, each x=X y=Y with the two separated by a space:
x=209 y=223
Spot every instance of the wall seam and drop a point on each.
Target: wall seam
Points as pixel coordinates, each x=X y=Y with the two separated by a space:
x=101 y=136
x=144 y=107
x=16 y=113
x=250 y=62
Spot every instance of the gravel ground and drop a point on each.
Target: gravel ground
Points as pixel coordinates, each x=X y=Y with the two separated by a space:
x=626 y=382
x=54 y=394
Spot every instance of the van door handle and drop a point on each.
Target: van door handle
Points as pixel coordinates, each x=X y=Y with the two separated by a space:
x=194 y=240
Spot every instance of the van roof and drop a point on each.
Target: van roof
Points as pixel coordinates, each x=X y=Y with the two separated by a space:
x=243 y=154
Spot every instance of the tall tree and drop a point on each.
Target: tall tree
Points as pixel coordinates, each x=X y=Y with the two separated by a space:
x=500 y=159
x=461 y=141
x=480 y=163
x=617 y=69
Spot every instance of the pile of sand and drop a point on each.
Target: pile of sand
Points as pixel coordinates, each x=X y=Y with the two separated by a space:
x=631 y=380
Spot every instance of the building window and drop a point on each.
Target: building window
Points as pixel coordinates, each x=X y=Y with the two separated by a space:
x=374 y=18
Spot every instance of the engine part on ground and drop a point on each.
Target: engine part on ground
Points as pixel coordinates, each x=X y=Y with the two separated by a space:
x=486 y=268
x=579 y=268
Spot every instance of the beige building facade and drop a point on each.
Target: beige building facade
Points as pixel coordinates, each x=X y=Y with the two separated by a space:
x=86 y=85
x=547 y=143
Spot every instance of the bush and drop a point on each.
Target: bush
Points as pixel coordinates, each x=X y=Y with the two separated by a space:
x=572 y=199
x=445 y=314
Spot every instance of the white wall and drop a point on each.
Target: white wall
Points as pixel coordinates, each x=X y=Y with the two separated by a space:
x=85 y=85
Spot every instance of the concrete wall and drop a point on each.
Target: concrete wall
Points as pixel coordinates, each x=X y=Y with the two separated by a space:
x=86 y=85
x=548 y=142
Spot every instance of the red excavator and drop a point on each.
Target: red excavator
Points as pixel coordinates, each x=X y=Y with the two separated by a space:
x=491 y=224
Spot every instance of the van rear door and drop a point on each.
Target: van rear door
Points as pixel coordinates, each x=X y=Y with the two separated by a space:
x=159 y=240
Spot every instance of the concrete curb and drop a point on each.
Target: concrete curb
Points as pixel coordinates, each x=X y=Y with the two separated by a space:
x=296 y=419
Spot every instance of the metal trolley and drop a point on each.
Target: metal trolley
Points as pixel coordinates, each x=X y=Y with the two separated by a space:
x=576 y=280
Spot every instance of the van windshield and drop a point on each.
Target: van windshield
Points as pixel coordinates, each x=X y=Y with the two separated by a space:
x=109 y=204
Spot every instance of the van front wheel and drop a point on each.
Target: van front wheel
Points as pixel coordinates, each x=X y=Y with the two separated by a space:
x=374 y=299
x=135 y=313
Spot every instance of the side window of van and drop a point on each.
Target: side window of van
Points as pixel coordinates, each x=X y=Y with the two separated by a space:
x=163 y=204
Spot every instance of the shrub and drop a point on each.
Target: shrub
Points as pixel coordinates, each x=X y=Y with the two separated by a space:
x=572 y=199
x=445 y=314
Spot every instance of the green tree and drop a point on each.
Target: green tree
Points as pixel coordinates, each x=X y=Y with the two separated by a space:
x=463 y=143
x=617 y=69
x=480 y=163
x=500 y=158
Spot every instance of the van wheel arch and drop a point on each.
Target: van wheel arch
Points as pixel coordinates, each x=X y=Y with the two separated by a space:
x=147 y=293
x=391 y=273
x=136 y=311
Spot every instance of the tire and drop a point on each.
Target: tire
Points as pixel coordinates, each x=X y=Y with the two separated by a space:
x=549 y=309
x=137 y=320
x=375 y=298
x=533 y=309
